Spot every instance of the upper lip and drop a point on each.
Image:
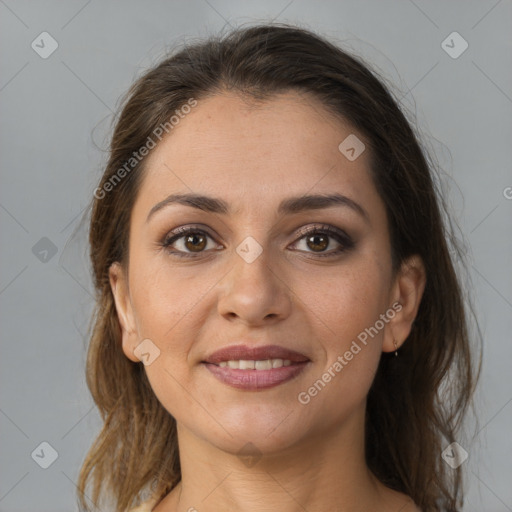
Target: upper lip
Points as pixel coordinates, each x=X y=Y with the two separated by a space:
x=244 y=352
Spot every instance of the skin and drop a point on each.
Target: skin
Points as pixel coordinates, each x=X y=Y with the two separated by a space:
x=253 y=156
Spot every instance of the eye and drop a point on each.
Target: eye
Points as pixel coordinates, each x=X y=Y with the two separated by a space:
x=187 y=241
x=318 y=239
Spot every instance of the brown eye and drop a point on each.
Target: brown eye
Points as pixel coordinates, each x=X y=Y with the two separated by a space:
x=187 y=241
x=318 y=242
x=195 y=242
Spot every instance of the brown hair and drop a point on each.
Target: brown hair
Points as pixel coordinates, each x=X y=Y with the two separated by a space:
x=417 y=401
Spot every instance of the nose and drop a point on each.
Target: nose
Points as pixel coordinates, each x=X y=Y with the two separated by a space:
x=255 y=293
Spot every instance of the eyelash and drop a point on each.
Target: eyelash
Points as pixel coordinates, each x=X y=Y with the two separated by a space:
x=341 y=237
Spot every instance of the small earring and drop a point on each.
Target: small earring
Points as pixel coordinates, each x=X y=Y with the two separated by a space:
x=396 y=348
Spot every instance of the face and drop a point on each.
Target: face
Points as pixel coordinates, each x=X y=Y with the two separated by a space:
x=256 y=273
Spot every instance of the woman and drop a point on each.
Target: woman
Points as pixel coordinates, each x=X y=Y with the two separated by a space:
x=277 y=311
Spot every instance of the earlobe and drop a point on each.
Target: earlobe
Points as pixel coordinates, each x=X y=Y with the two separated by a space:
x=407 y=291
x=119 y=287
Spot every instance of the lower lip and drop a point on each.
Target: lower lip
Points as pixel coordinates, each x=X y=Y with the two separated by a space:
x=255 y=379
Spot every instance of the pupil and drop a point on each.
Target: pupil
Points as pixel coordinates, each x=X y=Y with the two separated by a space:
x=193 y=239
x=316 y=237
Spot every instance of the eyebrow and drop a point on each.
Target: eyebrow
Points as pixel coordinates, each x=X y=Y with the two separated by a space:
x=287 y=206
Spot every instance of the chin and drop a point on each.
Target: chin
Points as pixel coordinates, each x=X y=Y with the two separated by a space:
x=255 y=444
x=269 y=429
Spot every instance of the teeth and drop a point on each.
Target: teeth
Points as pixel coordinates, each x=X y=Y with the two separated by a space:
x=266 y=364
x=246 y=365
x=262 y=365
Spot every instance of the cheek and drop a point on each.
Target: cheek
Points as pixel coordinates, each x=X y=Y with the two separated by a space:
x=171 y=307
x=163 y=296
x=167 y=308
x=348 y=299
x=345 y=308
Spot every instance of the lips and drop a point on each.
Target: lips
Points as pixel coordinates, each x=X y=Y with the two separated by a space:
x=244 y=352
x=271 y=365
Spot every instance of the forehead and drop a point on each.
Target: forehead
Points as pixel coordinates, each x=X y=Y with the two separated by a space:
x=254 y=153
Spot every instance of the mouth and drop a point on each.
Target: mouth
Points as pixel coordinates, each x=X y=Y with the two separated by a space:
x=255 y=368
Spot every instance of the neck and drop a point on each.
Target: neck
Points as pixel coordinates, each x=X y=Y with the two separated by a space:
x=321 y=471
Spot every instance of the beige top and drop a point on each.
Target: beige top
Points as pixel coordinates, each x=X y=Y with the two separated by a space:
x=147 y=506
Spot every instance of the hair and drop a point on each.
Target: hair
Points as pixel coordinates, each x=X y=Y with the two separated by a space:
x=418 y=400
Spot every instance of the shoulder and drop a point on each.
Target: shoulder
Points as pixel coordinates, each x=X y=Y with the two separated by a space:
x=410 y=506
x=396 y=500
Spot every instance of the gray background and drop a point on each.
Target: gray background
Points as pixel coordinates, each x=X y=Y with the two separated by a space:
x=56 y=115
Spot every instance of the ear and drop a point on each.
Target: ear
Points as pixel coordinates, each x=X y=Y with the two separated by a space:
x=119 y=285
x=406 y=294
